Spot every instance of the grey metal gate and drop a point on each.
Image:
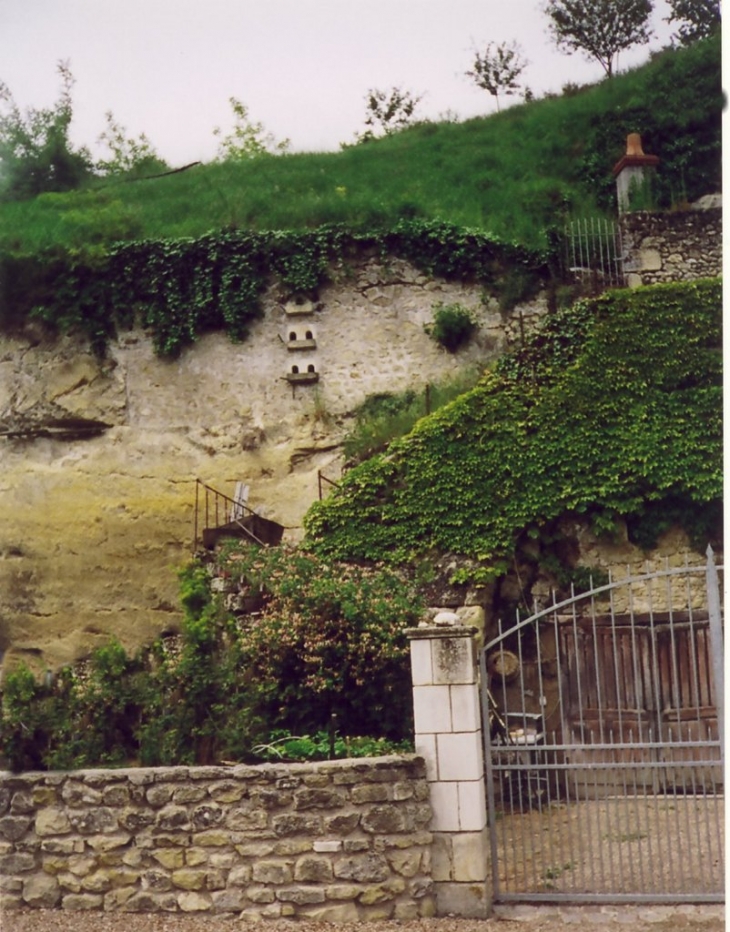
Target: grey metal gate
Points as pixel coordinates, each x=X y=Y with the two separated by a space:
x=603 y=744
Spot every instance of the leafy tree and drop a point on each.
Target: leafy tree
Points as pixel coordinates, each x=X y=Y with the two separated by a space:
x=36 y=154
x=128 y=156
x=497 y=69
x=599 y=28
x=698 y=18
x=388 y=111
x=248 y=140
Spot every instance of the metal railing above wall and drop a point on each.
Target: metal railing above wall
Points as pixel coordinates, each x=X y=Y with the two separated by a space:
x=594 y=254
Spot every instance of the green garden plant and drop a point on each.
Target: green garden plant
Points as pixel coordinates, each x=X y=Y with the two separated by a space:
x=328 y=639
x=452 y=327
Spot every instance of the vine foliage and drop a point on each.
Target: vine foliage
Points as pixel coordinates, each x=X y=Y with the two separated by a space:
x=612 y=411
x=179 y=289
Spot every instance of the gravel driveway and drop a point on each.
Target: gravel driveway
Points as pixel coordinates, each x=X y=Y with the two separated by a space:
x=507 y=919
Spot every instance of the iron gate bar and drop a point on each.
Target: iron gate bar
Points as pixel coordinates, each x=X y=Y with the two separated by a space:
x=594 y=247
x=627 y=746
x=716 y=639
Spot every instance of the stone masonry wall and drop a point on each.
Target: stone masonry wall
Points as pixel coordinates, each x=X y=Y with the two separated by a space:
x=335 y=841
x=670 y=247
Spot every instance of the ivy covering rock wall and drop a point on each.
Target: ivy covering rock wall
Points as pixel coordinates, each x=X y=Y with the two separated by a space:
x=179 y=289
x=337 y=841
x=613 y=410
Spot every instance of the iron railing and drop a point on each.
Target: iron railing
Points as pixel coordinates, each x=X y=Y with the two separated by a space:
x=214 y=509
x=594 y=254
x=323 y=481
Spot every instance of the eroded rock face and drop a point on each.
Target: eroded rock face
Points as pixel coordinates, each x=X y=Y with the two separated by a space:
x=98 y=458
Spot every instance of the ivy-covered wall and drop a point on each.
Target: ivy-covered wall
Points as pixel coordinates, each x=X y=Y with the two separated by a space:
x=613 y=411
x=179 y=289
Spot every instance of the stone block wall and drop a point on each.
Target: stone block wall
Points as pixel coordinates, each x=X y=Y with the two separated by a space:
x=671 y=247
x=335 y=841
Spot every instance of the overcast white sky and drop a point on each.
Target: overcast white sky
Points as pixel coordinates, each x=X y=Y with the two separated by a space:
x=303 y=67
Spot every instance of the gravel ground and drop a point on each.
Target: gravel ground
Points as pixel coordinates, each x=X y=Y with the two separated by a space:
x=514 y=918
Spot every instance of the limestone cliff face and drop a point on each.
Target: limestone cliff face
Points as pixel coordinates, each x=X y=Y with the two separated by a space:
x=99 y=458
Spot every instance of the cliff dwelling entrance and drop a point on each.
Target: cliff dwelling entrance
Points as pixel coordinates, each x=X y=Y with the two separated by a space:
x=604 y=748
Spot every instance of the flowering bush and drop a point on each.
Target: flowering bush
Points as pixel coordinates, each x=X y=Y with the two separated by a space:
x=328 y=640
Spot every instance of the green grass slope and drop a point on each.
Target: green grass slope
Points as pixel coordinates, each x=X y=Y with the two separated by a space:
x=511 y=174
x=613 y=410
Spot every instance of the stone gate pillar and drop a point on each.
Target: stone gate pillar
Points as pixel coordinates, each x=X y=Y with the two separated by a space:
x=448 y=735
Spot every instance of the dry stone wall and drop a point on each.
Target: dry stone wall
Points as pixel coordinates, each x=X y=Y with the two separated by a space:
x=670 y=247
x=335 y=841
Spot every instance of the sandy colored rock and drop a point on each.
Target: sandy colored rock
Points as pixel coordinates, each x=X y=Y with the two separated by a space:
x=41 y=891
x=93 y=528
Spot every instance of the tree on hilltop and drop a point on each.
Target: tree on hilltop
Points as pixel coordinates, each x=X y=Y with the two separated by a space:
x=127 y=155
x=388 y=111
x=599 y=28
x=497 y=69
x=36 y=154
x=698 y=18
x=248 y=139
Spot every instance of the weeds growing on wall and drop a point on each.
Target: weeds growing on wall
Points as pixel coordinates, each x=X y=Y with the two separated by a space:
x=452 y=326
x=385 y=416
x=326 y=640
x=612 y=409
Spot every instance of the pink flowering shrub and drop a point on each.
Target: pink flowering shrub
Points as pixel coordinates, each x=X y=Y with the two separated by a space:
x=328 y=638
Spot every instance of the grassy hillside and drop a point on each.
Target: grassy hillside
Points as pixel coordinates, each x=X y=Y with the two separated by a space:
x=614 y=410
x=510 y=174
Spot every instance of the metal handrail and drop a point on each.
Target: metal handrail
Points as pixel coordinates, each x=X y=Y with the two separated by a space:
x=320 y=478
x=221 y=505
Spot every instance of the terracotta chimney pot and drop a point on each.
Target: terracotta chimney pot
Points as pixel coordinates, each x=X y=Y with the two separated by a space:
x=635 y=156
x=633 y=144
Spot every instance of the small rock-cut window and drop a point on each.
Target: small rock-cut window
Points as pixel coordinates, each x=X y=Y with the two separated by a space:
x=309 y=335
x=310 y=367
x=292 y=335
x=295 y=370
